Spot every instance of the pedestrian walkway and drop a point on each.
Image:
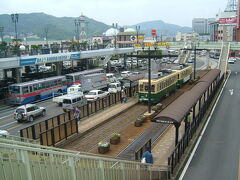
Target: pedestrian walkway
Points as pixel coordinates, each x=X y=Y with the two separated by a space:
x=91 y=122
x=165 y=145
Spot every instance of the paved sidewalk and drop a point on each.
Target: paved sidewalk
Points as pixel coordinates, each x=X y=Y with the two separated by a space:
x=108 y=113
x=165 y=145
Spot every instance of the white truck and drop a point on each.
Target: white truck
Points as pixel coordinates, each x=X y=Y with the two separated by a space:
x=114 y=87
x=71 y=91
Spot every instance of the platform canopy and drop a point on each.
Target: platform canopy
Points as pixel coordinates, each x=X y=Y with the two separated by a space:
x=176 y=111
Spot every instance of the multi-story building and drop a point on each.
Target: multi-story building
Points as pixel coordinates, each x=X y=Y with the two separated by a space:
x=227 y=21
x=187 y=36
x=202 y=25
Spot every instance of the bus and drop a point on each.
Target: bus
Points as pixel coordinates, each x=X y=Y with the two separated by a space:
x=23 y=93
x=214 y=55
x=75 y=78
x=89 y=79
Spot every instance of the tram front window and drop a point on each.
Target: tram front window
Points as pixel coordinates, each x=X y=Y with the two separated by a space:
x=14 y=89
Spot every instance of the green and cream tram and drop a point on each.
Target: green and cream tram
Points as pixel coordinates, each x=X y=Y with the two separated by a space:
x=160 y=87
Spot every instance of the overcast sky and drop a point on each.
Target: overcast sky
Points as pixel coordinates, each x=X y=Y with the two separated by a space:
x=123 y=12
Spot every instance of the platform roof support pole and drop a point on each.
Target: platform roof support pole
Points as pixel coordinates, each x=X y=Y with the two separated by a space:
x=177 y=125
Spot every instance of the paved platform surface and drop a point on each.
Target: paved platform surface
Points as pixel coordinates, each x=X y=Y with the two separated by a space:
x=87 y=123
x=161 y=149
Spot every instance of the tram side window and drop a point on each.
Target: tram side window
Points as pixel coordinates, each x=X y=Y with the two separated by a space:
x=25 y=90
x=141 y=87
x=153 y=88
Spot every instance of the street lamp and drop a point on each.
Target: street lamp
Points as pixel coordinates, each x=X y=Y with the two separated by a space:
x=77 y=25
x=15 y=20
x=149 y=79
x=195 y=57
x=1 y=31
x=115 y=34
x=137 y=29
x=46 y=35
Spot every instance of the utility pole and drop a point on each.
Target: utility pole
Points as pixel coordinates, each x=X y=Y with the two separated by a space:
x=149 y=82
x=137 y=29
x=115 y=34
x=45 y=30
x=15 y=20
x=1 y=31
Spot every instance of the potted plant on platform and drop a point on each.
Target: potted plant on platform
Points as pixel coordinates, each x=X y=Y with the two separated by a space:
x=115 y=138
x=157 y=107
x=140 y=119
x=103 y=147
x=138 y=123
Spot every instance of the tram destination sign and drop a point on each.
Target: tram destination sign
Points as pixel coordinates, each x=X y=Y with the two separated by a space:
x=25 y=61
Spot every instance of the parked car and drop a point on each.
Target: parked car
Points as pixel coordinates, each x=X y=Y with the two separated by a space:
x=125 y=73
x=96 y=94
x=231 y=60
x=4 y=133
x=28 y=112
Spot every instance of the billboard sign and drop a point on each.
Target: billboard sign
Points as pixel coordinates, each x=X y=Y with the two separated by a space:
x=154 y=32
x=48 y=58
x=228 y=21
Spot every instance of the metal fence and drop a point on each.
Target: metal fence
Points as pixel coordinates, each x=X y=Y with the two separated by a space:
x=180 y=148
x=23 y=162
x=57 y=134
x=57 y=128
x=33 y=132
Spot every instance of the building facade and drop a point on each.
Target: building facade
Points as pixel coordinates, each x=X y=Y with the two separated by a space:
x=202 y=25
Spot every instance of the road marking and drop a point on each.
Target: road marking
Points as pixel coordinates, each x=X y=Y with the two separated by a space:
x=238 y=166
x=231 y=91
x=14 y=127
x=200 y=137
x=6 y=116
x=7 y=124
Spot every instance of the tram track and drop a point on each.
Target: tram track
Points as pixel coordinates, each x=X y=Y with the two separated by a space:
x=90 y=141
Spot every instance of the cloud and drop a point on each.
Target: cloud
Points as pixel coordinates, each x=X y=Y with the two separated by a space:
x=124 y=12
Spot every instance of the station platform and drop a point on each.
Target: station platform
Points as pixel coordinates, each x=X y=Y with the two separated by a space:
x=89 y=123
x=162 y=148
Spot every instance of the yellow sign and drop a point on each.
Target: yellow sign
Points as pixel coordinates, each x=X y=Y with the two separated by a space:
x=152 y=44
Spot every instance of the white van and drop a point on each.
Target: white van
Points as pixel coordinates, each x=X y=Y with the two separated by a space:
x=114 y=87
x=111 y=78
x=125 y=73
x=72 y=101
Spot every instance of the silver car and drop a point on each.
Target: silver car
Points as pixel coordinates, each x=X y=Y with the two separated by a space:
x=28 y=112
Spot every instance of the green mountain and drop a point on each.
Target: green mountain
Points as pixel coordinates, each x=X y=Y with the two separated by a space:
x=59 y=28
x=162 y=28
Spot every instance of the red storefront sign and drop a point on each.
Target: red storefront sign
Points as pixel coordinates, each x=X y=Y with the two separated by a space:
x=154 y=32
x=228 y=21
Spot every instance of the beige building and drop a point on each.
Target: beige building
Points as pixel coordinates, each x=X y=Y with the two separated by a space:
x=184 y=37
